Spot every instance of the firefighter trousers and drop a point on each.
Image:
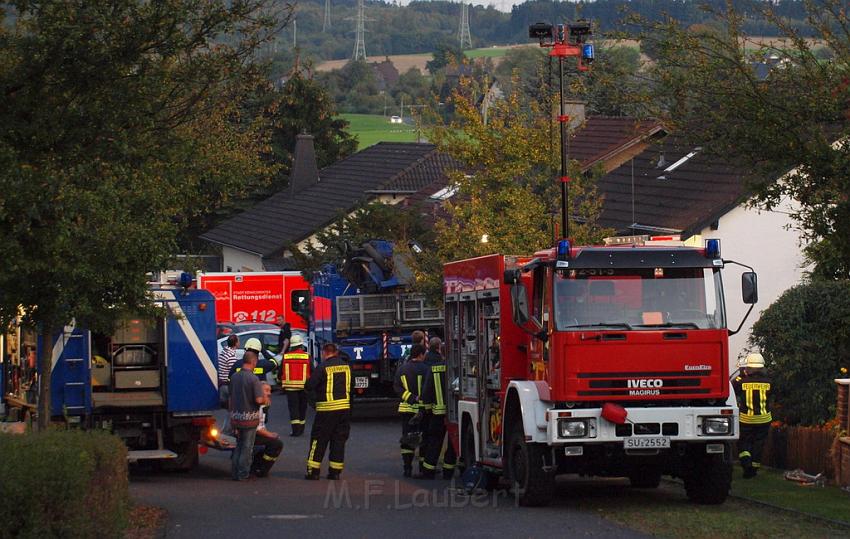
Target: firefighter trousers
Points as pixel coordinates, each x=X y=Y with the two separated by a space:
x=408 y=452
x=266 y=451
x=751 y=444
x=435 y=438
x=328 y=428
x=297 y=402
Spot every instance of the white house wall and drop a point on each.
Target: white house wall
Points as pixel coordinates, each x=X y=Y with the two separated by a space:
x=238 y=260
x=765 y=241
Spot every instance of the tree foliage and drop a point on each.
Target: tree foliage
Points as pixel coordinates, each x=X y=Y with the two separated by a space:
x=786 y=126
x=507 y=199
x=121 y=123
x=805 y=339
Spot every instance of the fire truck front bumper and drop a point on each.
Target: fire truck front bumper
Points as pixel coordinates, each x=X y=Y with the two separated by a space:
x=643 y=428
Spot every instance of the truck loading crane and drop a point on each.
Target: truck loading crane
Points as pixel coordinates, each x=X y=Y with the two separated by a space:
x=364 y=306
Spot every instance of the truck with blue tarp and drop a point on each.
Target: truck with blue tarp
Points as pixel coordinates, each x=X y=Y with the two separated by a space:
x=363 y=305
x=152 y=381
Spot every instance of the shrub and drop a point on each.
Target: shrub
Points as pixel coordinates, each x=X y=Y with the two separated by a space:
x=805 y=339
x=63 y=484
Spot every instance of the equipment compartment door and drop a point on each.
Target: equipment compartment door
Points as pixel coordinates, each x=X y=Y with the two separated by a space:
x=70 y=384
x=192 y=381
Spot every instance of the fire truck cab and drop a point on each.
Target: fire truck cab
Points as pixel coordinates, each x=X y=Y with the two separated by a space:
x=608 y=361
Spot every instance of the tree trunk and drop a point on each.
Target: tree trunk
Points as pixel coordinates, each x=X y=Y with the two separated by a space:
x=45 y=371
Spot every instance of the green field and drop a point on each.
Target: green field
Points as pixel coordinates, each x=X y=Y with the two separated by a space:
x=486 y=52
x=371 y=129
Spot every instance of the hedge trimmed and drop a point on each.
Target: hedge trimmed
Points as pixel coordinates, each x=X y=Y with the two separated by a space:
x=805 y=339
x=63 y=484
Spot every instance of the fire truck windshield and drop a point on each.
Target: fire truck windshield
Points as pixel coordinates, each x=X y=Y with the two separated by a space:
x=639 y=299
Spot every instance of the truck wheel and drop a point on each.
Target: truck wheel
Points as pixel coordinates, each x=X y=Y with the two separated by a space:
x=709 y=480
x=187 y=457
x=645 y=477
x=533 y=485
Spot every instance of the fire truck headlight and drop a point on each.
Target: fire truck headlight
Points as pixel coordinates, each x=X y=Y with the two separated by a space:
x=716 y=426
x=572 y=428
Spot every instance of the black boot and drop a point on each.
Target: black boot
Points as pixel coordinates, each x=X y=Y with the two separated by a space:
x=312 y=474
x=333 y=475
x=408 y=471
x=448 y=474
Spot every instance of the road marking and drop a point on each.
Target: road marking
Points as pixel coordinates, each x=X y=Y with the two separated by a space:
x=287 y=517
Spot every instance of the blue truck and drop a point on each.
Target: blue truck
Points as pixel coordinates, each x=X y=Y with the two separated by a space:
x=364 y=306
x=152 y=382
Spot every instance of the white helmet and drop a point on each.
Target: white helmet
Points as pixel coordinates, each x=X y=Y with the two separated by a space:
x=755 y=361
x=254 y=344
x=296 y=340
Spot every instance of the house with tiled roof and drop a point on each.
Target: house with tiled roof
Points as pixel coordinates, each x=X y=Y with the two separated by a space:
x=674 y=188
x=259 y=239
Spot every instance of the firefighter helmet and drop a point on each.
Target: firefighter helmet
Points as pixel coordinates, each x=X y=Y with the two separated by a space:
x=253 y=344
x=297 y=340
x=755 y=361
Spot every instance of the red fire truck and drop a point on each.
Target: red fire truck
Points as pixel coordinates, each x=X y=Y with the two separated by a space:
x=607 y=361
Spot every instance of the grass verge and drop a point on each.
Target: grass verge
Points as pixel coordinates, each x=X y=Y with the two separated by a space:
x=771 y=487
x=666 y=512
x=371 y=129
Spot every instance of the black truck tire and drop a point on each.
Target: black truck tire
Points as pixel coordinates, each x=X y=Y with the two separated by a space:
x=709 y=479
x=533 y=485
x=187 y=457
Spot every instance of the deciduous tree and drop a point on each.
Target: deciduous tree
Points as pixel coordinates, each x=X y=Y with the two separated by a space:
x=787 y=131
x=118 y=125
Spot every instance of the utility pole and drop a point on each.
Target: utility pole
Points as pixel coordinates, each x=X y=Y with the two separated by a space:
x=360 y=30
x=463 y=30
x=294 y=33
x=326 y=23
x=402 y=109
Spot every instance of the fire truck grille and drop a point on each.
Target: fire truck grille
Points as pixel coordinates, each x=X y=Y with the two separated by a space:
x=640 y=384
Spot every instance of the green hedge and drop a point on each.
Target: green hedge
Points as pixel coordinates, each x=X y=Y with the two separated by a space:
x=63 y=484
x=805 y=339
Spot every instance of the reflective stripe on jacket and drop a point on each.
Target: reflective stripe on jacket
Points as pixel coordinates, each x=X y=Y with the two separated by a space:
x=330 y=383
x=296 y=370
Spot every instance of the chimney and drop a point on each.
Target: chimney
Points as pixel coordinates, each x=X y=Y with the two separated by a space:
x=575 y=110
x=305 y=171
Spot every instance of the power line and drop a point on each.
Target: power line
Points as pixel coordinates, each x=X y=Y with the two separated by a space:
x=326 y=24
x=463 y=31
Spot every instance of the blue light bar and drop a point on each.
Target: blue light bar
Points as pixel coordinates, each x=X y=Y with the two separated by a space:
x=712 y=248
x=563 y=249
x=185 y=279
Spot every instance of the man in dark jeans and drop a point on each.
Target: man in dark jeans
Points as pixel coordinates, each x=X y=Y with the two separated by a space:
x=246 y=397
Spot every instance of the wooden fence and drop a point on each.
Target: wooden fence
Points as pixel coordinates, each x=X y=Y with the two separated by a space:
x=808 y=448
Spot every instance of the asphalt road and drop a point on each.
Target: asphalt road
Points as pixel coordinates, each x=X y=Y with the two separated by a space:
x=372 y=500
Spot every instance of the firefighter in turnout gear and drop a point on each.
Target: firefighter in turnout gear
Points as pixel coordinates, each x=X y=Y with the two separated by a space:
x=267 y=444
x=434 y=399
x=294 y=374
x=330 y=386
x=752 y=387
x=408 y=385
x=266 y=363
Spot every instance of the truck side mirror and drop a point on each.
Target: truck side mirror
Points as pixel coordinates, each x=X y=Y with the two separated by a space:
x=749 y=287
x=519 y=303
x=511 y=276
